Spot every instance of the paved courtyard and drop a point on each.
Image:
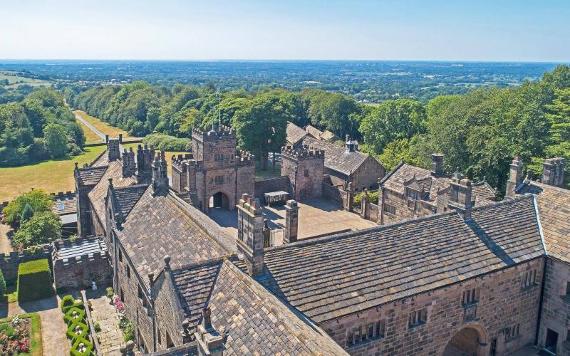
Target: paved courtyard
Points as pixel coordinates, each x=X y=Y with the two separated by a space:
x=316 y=217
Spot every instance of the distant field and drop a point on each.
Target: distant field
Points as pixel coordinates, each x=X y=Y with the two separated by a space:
x=105 y=128
x=51 y=176
x=14 y=80
x=90 y=136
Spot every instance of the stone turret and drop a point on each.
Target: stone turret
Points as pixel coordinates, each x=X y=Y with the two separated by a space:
x=250 y=234
x=515 y=177
x=160 y=174
x=305 y=168
x=129 y=163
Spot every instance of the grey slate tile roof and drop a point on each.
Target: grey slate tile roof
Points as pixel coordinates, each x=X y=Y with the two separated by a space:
x=336 y=156
x=99 y=192
x=254 y=321
x=294 y=133
x=164 y=225
x=127 y=197
x=341 y=274
x=91 y=175
x=554 y=211
x=417 y=177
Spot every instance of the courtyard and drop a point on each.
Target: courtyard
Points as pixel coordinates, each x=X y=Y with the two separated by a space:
x=316 y=217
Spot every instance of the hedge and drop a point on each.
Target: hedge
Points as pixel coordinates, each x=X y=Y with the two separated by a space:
x=68 y=302
x=74 y=349
x=71 y=331
x=69 y=319
x=34 y=280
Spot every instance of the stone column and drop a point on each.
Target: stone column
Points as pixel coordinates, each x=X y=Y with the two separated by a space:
x=291 y=222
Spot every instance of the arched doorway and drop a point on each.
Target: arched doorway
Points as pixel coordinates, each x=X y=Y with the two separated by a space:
x=469 y=341
x=219 y=201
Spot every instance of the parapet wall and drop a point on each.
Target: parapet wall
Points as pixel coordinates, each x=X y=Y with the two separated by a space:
x=272 y=185
x=9 y=262
x=304 y=152
x=59 y=195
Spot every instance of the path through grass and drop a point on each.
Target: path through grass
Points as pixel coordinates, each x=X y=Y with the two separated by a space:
x=90 y=136
x=102 y=126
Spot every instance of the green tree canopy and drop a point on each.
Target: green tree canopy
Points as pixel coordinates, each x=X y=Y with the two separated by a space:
x=56 y=140
x=37 y=200
x=43 y=227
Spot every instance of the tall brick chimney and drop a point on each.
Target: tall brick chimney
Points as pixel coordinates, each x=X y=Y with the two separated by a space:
x=113 y=149
x=515 y=177
x=145 y=157
x=553 y=171
x=291 y=222
x=460 y=196
x=437 y=164
x=250 y=233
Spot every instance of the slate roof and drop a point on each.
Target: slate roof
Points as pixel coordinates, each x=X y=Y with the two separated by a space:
x=127 y=197
x=341 y=274
x=65 y=205
x=99 y=192
x=101 y=160
x=254 y=321
x=294 y=133
x=91 y=175
x=313 y=131
x=336 y=157
x=164 y=225
x=407 y=175
x=554 y=211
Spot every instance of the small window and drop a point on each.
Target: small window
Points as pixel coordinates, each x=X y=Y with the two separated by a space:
x=390 y=209
x=512 y=332
x=122 y=295
x=380 y=329
x=218 y=157
x=120 y=256
x=159 y=336
x=139 y=292
x=370 y=329
x=470 y=296
x=529 y=278
x=568 y=336
x=417 y=317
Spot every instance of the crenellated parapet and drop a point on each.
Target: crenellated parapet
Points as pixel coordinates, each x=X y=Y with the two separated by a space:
x=302 y=152
x=217 y=133
x=245 y=158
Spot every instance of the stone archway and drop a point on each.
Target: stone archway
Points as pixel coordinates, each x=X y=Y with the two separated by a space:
x=469 y=341
x=219 y=200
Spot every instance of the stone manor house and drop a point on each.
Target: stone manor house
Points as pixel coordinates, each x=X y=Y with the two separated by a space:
x=475 y=279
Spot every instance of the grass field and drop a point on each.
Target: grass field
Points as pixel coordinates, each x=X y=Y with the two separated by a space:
x=51 y=176
x=90 y=136
x=105 y=128
x=14 y=80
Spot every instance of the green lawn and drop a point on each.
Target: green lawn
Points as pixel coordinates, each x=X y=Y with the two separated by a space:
x=105 y=128
x=50 y=176
x=90 y=136
x=36 y=348
x=14 y=80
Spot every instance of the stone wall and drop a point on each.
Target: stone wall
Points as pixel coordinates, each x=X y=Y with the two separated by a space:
x=165 y=305
x=272 y=185
x=79 y=272
x=9 y=262
x=396 y=207
x=367 y=175
x=502 y=303
x=305 y=169
x=556 y=305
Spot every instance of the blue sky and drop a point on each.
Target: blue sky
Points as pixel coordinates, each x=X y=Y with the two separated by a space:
x=499 y=30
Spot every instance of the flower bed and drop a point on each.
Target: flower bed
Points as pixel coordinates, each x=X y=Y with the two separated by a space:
x=21 y=335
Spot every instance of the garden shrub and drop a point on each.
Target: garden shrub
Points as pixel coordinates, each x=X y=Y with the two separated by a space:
x=67 y=302
x=76 y=304
x=69 y=319
x=71 y=331
x=75 y=349
x=109 y=292
x=34 y=281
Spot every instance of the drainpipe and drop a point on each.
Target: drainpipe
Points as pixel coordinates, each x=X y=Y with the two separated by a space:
x=541 y=301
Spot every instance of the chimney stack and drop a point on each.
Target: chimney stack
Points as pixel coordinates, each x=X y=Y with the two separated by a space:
x=460 y=196
x=350 y=144
x=291 y=222
x=515 y=177
x=209 y=340
x=129 y=164
x=145 y=157
x=250 y=234
x=113 y=149
x=553 y=172
x=159 y=174
x=437 y=164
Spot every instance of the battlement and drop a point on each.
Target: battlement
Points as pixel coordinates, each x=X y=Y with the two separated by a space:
x=217 y=133
x=304 y=152
x=63 y=195
x=244 y=158
x=94 y=257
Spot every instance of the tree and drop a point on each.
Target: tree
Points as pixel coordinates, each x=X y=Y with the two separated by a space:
x=392 y=120
x=333 y=111
x=27 y=213
x=56 y=140
x=38 y=201
x=261 y=124
x=399 y=151
x=42 y=228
